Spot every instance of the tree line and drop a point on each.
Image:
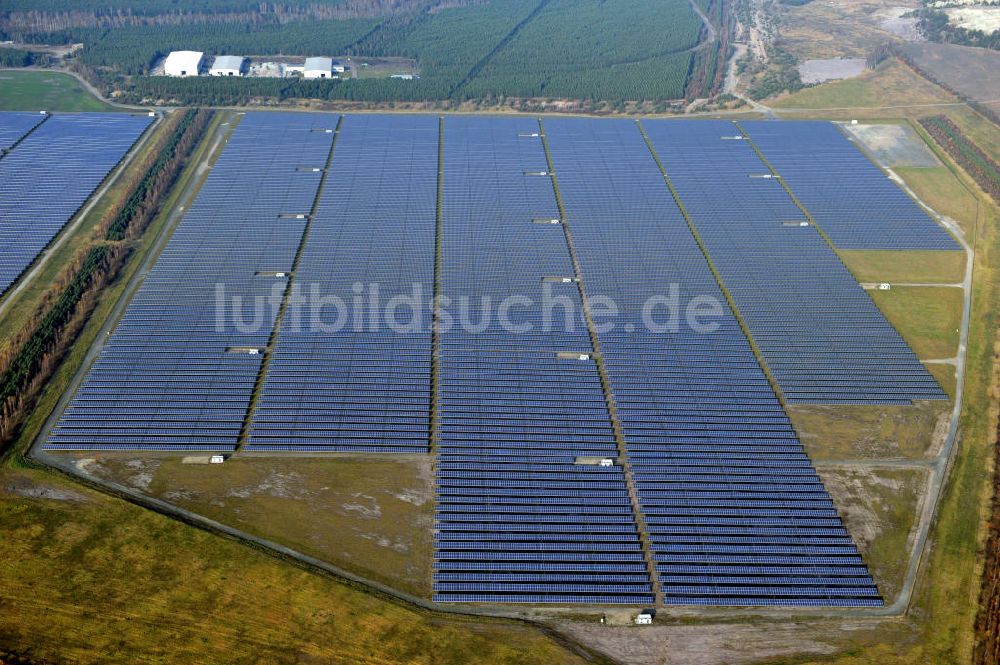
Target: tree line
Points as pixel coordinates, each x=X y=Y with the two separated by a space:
x=983 y=169
x=20 y=17
x=15 y=57
x=31 y=356
x=161 y=168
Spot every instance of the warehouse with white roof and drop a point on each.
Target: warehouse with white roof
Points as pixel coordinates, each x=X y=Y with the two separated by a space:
x=228 y=65
x=183 y=63
x=318 y=68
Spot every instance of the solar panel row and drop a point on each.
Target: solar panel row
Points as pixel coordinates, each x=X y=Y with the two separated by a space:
x=50 y=174
x=711 y=449
x=179 y=370
x=513 y=415
x=838 y=348
x=854 y=202
x=358 y=381
x=15 y=124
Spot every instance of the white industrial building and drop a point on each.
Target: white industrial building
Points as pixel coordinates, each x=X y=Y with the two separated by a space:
x=318 y=68
x=338 y=67
x=183 y=63
x=228 y=65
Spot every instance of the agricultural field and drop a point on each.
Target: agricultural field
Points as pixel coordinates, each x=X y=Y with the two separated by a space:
x=45 y=90
x=973 y=73
x=642 y=51
x=928 y=317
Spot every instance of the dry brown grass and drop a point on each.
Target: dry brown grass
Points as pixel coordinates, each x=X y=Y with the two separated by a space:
x=892 y=84
x=372 y=516
x=870 y=432
x=92 y=579
x=909 y=266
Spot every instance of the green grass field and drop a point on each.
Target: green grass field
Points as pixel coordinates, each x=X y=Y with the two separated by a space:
x=45 y=90
x=928 y=318
x=941 y=190
x=945 y=375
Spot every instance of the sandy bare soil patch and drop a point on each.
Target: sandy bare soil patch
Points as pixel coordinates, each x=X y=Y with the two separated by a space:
x=722 y=644
x=830 y=69
x=894 y=22
x=986 y=19
x=894 y=145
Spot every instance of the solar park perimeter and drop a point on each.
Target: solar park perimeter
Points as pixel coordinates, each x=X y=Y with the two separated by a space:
x=580 y=464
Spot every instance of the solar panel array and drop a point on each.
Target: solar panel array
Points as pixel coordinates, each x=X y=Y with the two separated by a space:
x=177 y=373
x=735 y=511
x=855 y=203
x=838 y=347
x=361 y=383
x=14 y=125
x=50 y=174
x=517 y=520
